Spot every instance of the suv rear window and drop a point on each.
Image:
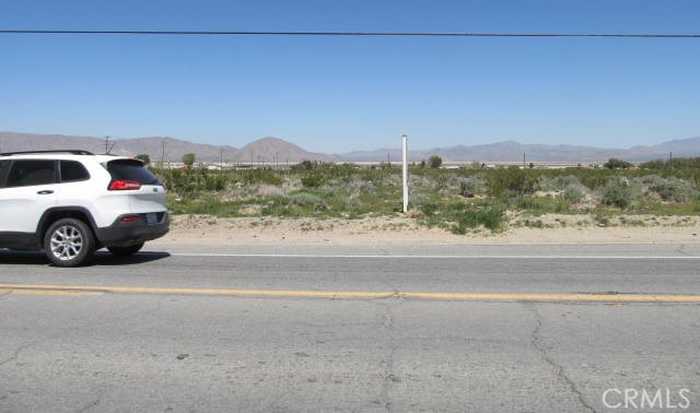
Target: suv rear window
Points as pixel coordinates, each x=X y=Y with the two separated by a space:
x=4 y=169
x=32 y=172
x=131 y=170
x=72 y=171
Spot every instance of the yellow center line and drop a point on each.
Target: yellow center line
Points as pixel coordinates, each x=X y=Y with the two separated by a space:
x=49 y=289
x=42 y=292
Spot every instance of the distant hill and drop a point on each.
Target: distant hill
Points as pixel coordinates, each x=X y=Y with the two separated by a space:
x=153 y=146
x=679 y=147
x=270 y=149
x=511 y=151
x=274 y=149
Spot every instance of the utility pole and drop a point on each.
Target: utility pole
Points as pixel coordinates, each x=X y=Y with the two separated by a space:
x=404 y=152
x=670 y=160
x=524 y=161
x=162 y=155
x=106 y=145
x=221 y=160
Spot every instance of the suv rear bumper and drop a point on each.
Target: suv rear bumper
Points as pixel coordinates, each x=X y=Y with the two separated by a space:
x=122 y=234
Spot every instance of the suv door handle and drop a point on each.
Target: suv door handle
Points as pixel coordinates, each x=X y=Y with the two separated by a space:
x=47 y=192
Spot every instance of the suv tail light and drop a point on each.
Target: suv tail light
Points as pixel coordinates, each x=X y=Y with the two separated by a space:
x=124 y=185
x=130 y=219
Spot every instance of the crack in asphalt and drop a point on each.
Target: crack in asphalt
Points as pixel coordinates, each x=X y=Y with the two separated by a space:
x=388 y=376
x=17 y=352
x=681 y=250
x=90 y=405
x=537 y=342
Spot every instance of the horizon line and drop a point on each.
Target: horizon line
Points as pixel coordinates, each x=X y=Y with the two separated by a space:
x=116 y=138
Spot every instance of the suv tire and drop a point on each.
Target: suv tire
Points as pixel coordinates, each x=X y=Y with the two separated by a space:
x=69 y=242
x=126 y=251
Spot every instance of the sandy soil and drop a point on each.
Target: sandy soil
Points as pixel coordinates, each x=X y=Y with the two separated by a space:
x=556 y=229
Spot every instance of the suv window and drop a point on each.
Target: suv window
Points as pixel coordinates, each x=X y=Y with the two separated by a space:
x=131 y=170
x=32 y=172
x=72 y=171
x=4 y=169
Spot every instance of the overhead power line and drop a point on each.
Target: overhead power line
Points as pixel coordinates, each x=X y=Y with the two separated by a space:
x=348 y=34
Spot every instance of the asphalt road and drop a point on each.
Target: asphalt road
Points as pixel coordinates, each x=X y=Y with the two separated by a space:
x=138 y=335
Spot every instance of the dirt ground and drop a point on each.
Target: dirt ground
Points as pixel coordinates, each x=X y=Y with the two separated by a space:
x=554 y=229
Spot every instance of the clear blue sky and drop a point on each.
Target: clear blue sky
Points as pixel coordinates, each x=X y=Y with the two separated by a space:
x=340 y=94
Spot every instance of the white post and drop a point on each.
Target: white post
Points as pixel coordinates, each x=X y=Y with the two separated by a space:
x=404 y=150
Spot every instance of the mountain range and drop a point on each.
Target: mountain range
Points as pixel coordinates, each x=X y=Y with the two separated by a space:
x=272 y=150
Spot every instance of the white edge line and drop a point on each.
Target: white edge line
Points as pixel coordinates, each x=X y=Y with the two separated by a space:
x=404 y=256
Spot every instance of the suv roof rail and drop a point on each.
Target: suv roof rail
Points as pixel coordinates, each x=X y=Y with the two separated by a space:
x=70 y=151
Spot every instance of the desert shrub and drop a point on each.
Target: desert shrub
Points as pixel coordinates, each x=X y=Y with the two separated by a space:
x=655 y=164
x=144 y=157
x=214 y=182
x=435 y=161
x=459 y=217
x=441 y=181
x=571 y=188
x=539 y=206
x=305 y=199
x=183 y=183
x=491 y=217
x=313 y=180
x=429 y=209
x=188 y=159
x=677 y=163
x=670 y=189
x=472 y=184
x=295 y=205
x=617 y=193
x=573 y=194
x=614 y=163
x=595 y=179
x=259 y=176
x=305 y=165
x=512 y=179
x=557 y=183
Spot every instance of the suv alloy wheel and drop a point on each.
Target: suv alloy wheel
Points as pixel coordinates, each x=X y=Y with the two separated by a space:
x=69 y=242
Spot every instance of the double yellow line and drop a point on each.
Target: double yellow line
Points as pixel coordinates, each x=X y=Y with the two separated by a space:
x=48 y=289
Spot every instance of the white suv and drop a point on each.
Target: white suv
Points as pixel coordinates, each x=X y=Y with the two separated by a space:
x=72 y=203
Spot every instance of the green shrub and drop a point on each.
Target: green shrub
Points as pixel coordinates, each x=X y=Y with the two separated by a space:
x=305 y=166
x=557 y=183
x=214 y=182
x=573 y=194
x=491 y=217
x=188 y=159
x=306 y=199
x=313 y=180
x=472 y=184
x=435 y=161
x=512 y=179
x=144 y=157
x=539 y=206
x=670 y=189
x=617 y=193
x=614 y=163
x=259 y=176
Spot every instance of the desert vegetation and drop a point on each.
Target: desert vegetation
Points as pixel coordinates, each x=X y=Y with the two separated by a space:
x=459 y=200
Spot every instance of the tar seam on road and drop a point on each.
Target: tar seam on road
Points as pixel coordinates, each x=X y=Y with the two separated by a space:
x=40 y=289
